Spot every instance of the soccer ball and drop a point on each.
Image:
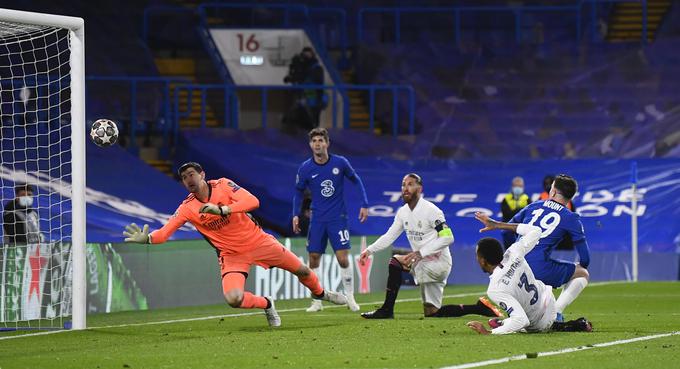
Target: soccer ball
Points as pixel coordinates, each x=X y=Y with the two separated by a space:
x=104 y=132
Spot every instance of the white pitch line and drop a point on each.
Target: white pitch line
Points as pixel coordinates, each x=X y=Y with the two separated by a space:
x=559 y=352
x=257 y=313
x=226 y=316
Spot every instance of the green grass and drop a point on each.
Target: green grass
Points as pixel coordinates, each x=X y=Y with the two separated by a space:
x=337 y=338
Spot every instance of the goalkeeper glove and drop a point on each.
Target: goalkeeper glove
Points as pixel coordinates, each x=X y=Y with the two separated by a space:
x=214 y=209
x=135 y=234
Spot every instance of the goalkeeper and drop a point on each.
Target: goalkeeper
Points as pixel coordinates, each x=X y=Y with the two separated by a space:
x=219 y=211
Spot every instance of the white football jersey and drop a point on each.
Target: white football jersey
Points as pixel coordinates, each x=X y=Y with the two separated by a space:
x=528 y=302
x=422 y=226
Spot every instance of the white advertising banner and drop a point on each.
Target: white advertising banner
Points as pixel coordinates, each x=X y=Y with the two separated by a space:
x=260 y=57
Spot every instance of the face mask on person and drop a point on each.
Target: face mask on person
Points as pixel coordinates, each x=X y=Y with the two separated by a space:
x=517 y=190
x=25 y=201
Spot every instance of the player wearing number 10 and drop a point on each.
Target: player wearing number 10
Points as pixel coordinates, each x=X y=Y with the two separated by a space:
x=324 y=175
x=557 y=222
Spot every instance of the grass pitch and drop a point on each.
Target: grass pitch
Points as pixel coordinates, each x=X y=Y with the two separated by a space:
x=222 y=337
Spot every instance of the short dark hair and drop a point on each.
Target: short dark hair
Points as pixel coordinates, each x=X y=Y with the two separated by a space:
x=191 y=164
x=23 y=187
x=419 y=179
x=319 y=131
x=566 y=185
x=491 y=250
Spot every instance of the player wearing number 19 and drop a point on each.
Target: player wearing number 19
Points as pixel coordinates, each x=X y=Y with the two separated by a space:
x=557 y=222
x=324 y=175
x=529 y=303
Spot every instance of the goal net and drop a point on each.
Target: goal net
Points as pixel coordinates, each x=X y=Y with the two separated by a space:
x=42 y=172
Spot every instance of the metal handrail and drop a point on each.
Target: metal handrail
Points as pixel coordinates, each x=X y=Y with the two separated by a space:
x=165 y=104
x=231 y=116
x=517 y=11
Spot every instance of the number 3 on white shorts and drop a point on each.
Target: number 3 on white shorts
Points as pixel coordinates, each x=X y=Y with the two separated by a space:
x=548 y=223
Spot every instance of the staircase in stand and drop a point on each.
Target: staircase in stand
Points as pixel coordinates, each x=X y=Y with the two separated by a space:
x=359 y=116
x=625 y=24
x=186 y=67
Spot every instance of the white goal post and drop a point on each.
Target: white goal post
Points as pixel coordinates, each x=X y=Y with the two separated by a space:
x=20 y=27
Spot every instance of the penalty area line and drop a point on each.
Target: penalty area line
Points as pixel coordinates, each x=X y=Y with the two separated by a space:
x=559 y=352
x=258 y=312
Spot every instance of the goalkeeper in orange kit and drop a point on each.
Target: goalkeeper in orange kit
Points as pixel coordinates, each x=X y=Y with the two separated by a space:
x=219 y=211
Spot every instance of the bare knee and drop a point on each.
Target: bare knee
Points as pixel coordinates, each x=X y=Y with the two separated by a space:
x=234 y=297
x=343 y=259
x=314 y=260
x=581 y=272
x=402 y=260
x=429 y=310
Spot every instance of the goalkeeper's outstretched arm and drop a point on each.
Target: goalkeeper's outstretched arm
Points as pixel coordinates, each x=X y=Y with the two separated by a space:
x=142 y=235
x=135 y=234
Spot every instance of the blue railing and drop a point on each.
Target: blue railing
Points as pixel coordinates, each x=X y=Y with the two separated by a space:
x=341 y=24
x=518 y=12
x=288 y=11
x=230 y=99
x=171 y=112
x=134 y=83
x=155 y=10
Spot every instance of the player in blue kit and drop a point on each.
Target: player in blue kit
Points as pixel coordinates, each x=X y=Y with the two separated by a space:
x=557 y=222
x=324 y=174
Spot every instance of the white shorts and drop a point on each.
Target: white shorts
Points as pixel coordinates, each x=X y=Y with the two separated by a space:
x=432 y=293
x=430 y=270
x=550 y=313
x=431 y=274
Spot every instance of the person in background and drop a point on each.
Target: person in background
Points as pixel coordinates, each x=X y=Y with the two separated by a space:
x=21 y=221
x=512 y=203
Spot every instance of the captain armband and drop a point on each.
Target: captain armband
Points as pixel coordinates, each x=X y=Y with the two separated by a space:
x=442 y=229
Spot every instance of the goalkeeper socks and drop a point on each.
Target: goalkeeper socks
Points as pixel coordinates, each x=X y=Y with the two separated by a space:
x=251 y=301
x=570 y=292
x=347 y=280
x=311 y=281
x=393 y=284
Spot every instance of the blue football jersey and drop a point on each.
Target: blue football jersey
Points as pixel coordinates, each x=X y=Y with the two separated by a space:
x=557 y=222
x=326 y=183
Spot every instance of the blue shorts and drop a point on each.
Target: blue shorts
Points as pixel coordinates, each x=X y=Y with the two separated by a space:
x=322 y=232
x=552 y=272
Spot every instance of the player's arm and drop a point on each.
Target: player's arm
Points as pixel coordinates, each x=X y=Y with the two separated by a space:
x=352 y=175
x=444 y=235
x=579 y=239
x=141 y=235
x=531 y=234
x=298 y=195
x=517 y=318
x=510 y=236
x=242 y=202
x=385 y=240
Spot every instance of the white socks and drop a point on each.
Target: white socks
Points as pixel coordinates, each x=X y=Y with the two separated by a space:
x=347 y=275
x=570 y=292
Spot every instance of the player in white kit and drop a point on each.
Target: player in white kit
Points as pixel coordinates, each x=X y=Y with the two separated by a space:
x=429 y=263
x=529 y=303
